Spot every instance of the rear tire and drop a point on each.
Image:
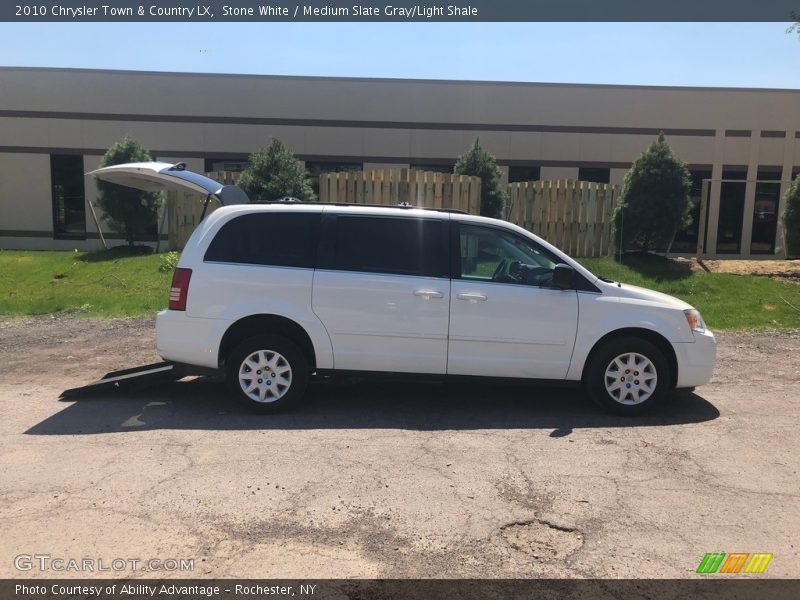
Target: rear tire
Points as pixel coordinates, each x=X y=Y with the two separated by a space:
x=267 y=373
x=628 y=376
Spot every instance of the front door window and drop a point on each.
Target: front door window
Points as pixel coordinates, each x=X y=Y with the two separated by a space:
x=491 y=255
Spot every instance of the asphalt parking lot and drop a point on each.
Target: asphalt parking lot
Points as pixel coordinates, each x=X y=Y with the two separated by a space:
x=391 y=480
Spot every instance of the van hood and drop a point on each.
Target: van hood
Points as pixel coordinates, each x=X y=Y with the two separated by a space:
x=160 y=176
x=623 y=290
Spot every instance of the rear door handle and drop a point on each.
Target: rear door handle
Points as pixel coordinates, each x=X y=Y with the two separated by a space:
x=472 y=297
x=428 y=294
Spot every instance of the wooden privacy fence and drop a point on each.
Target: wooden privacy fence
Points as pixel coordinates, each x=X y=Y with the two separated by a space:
x=225 y=177
x=575 y=216
x=184 y=210
x=183 y=215
x=393 y=186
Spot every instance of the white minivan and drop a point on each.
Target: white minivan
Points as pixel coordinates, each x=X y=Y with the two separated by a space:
x=272 y=294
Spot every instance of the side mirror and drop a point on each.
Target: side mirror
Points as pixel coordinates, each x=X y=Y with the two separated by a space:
x=563 y=277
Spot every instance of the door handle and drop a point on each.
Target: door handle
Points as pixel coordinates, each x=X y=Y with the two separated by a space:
x=472 y=297
x=428 y=294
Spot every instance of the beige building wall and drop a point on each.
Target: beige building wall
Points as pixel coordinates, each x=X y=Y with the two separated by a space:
x=377 y=122
x=551 y=173
x=617 y=176
x=25 y=189
x=371 y=166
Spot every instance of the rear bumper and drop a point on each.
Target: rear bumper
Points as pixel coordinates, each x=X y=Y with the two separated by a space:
x=696 y=360
x=187 y=340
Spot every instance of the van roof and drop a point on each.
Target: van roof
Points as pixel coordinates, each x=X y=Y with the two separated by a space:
x=399 y=206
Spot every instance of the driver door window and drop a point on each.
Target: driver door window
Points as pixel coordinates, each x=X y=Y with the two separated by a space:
x=524 y=328
x=491 y=255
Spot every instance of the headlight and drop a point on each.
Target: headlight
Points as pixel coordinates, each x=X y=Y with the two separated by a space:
x=695 y=320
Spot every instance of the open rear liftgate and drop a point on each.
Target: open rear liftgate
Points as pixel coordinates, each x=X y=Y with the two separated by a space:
x=152 y=177
x=128 y=379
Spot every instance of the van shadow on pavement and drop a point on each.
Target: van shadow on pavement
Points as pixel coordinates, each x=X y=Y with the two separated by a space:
x=203 y=404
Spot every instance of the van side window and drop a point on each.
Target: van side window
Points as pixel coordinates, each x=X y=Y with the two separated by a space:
x=269 y=238
x=491 y=255
x=397 y=246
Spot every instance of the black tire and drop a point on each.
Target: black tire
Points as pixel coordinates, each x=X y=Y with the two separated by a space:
x=623 y=403
x=281 y=352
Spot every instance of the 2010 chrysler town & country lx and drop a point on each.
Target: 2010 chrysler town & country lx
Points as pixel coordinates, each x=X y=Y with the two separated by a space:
x=274 y=293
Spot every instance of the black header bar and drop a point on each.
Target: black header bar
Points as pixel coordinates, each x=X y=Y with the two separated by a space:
x=398 y=11
x=709 y=587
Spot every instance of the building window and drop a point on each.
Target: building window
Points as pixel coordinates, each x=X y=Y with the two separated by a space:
x=735 y=173
x=594 y=174
x=445 y=167
x=236 y=165
x=769 y=173
x=731 y=211
x=69 y=199
x=531 y=173
x=765 y=211
x=315 y=169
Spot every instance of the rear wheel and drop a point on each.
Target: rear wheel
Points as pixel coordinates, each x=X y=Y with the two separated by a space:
x=267 y=373
x=628 y=376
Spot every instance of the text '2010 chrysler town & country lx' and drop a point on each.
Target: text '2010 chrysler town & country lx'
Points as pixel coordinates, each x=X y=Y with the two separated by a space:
x=271 y=294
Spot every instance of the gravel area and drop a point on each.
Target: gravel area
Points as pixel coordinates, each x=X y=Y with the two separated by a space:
x=391 y=480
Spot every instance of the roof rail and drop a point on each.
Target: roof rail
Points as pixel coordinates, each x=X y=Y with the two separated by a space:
x=403 y=205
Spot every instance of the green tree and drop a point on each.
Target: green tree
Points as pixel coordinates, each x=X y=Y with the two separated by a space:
x=130 y=212
x=273 y=173
x=791 y=218
x=479 y=163
x=654 y=204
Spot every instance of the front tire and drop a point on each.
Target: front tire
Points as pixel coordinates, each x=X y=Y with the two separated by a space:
x=628 y=376
x=267 y=373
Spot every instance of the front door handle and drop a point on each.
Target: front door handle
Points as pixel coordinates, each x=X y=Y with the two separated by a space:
x=472 y=297
x=428 y=294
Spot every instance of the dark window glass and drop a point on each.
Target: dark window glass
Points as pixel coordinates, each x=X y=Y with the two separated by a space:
x=731 y=209
x=269 y=238
x=686 y=240
x=734 y=174
x=524 y=174
x=315 y=169
x=769 y=174
x=731 y=216
x=594 y=174
x=390 y=245
x=237 y=165
x=435 y=167
x=765 y=217
x=69 y=200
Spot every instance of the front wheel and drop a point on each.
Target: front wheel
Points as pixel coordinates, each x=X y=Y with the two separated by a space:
x=628 y=376
x=267 y=373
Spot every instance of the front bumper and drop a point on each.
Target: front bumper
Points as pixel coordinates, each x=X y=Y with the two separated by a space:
x=696 y=360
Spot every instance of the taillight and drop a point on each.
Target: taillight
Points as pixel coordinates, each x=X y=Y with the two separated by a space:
x=180 y=289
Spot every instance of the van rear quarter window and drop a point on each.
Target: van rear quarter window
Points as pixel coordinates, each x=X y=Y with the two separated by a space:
x=269 y=238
